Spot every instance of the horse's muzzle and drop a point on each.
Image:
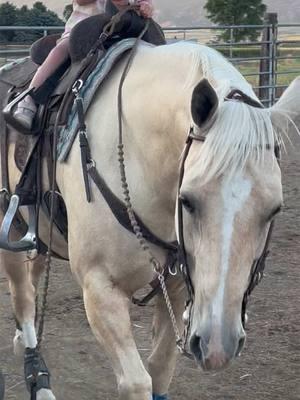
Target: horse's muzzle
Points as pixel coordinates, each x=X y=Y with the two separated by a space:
x=214 y=357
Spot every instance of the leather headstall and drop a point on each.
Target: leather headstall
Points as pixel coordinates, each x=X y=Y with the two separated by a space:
x=258 y=265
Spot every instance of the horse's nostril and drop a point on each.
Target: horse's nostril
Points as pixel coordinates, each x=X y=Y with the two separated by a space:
x=240 y=345
x=195 y=345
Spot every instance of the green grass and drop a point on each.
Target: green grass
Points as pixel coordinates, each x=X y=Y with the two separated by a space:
x=282 y=66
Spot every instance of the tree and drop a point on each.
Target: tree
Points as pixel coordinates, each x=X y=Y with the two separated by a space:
x=23 y=19
x=38 y=15
x=237 y=12
x=8 y=17
x=67 y=11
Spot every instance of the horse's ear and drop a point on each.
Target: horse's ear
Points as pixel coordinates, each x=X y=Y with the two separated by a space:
x=204 y=103
x=288 y=107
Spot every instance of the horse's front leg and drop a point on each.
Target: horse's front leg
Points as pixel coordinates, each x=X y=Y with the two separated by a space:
x=107 y=309
x=23 y=276
x=24 y=272
x=162 y=360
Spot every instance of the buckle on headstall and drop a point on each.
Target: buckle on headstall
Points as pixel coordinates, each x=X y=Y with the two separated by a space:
x=29 y=241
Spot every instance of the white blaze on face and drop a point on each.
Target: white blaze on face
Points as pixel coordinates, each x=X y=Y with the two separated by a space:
x=235 y=193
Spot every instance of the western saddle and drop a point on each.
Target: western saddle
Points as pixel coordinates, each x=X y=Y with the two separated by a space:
x=55 y=98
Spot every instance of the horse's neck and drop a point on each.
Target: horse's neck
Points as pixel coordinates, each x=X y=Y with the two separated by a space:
x=152 y=149
x=156 y=120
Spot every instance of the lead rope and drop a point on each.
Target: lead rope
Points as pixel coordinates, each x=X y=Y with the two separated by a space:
x=158 y=268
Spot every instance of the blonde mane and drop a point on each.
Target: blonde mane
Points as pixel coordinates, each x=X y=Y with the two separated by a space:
x=240 y=131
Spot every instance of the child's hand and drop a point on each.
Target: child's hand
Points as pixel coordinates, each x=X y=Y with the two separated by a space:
x=146 y=8
x=143 y=7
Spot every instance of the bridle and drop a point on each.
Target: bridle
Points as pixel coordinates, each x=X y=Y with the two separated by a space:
x=177 y=251
x=258 y=266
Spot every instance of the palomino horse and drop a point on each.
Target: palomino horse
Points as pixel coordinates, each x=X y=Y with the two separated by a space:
x=231 y=191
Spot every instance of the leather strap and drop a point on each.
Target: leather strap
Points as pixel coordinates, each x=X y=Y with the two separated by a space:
x=19 y=223
x=4 y=149
x=117 y=207
x=238 y=95
x=258 y=266
x=257 y=272
x=156 y=288
x=182 y=251
x=119 y=210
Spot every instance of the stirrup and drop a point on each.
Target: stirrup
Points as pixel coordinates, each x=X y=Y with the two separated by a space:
x=28 y=242
x=9 y=117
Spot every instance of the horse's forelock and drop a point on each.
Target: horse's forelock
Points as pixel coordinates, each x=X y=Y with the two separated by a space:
x=239 y=133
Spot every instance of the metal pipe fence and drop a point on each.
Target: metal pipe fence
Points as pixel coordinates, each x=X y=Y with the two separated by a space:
x=270 y=60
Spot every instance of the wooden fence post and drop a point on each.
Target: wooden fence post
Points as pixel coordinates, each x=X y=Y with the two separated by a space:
x=267 y=68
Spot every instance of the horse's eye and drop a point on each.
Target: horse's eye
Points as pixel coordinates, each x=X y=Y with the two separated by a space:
x=186 y=204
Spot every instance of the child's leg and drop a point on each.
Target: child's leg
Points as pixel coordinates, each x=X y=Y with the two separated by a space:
x=26 y=109
x=56 y=57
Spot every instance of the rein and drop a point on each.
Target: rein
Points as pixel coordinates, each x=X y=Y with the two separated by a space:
x=158 y=268
x=142 y=233
x=176 y=251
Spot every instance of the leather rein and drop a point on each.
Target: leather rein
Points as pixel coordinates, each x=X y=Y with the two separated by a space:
x=126 y=216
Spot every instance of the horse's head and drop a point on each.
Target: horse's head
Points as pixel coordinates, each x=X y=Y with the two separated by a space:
x=231 y=191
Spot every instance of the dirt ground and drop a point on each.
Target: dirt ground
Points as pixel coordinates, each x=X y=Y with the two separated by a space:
x=267 y=370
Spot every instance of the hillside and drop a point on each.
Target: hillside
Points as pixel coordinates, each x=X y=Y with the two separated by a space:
x=189 y=12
